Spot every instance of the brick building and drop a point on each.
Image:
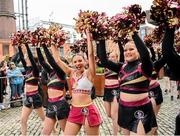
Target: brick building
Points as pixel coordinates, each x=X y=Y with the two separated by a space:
x=7 y=26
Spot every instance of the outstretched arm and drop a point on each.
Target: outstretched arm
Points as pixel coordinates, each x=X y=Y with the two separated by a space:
x=153 y=58
x=60 y=63
x=159 y=64
x=43 y=63
x=33 y=63
x=15 y=58
x=53 y=63
x=169 y=53
x=101 y=50
x=21 y=55
x=167 y=46
x=91 y=58
x=147 y=65
x=121 y=50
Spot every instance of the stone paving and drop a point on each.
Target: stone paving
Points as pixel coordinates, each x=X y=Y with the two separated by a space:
x=10 y=119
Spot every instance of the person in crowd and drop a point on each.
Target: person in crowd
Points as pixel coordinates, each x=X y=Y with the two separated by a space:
x=177 y=125
x=111 y=89
x=3 y=71
x=171 y=82
x=57 y=107
x=173 y=62
x=136 y=114
x=16 y=80
x=178 y=89
x=170 y=54
x=83 y=111
x=155 y=92
x=33 y=99
x=1 y=92
x=166 y=79
x=111 y=93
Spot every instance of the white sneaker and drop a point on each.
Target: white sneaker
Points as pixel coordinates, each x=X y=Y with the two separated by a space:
x=22 y=95
x=2 y=107
x=7 y=107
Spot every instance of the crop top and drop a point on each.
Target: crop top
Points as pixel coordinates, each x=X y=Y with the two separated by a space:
x=132 y=80
x=81 y=85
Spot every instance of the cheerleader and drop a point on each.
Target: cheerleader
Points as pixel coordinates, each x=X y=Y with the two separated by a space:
x=57 y=107
x=135 y=114
x=83 y=111
x=33 y=99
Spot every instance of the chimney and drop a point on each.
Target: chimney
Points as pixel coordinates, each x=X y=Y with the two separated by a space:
x=7 y=19
x=7 y=26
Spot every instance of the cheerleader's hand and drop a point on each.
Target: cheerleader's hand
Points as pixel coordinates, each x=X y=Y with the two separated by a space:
x=89 y=35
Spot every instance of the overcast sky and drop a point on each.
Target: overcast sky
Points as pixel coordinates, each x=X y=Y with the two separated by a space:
x=63 y=11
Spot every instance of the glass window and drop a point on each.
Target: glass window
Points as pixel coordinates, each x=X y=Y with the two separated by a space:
x=5 y=49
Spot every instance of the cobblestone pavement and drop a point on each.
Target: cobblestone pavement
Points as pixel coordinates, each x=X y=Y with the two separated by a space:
x=10 y=119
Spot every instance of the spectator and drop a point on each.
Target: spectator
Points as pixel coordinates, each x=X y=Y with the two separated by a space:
x=16 y=80
x=1 y=93
x=3 y=71
x=178 y=89
x=172 y=81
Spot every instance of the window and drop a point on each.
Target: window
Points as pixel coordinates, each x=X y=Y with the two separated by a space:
x=5 y=49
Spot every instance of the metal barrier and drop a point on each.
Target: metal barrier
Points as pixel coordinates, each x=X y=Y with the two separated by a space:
x=7 y=102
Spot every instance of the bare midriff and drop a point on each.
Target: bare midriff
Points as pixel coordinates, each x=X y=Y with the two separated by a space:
x=132 y=97
x=30 y=88
x=79 y=99
x=110 y=82
x=54 y=93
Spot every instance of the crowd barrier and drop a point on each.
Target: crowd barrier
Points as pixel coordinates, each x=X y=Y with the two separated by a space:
x=7 y=102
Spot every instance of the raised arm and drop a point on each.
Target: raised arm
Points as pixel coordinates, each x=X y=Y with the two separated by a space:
x=21 y=55
x=101 y=50
x=153 y=57
x=60 y=63
x=147 y=65
x=121 y=50
x=169 y=53
x=44 y=77
x=15 y=58
x=43 y=63
x=159 y=64
x=91 y=58
x=33 y=63
x=53 y=63
x=168 y=47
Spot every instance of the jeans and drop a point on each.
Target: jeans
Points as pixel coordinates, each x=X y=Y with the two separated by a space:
x=16 y=90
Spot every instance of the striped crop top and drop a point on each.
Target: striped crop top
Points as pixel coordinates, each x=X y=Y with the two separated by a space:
x=30 y=79
x=55 y=82
x=133 y=81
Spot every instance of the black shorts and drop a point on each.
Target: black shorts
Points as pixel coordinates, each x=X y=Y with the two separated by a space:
x=178 y=87
x=177 y=125
x=156 y=93
x=58 y=110
x=129 y=117
x=33 y=101
x=110 y=93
